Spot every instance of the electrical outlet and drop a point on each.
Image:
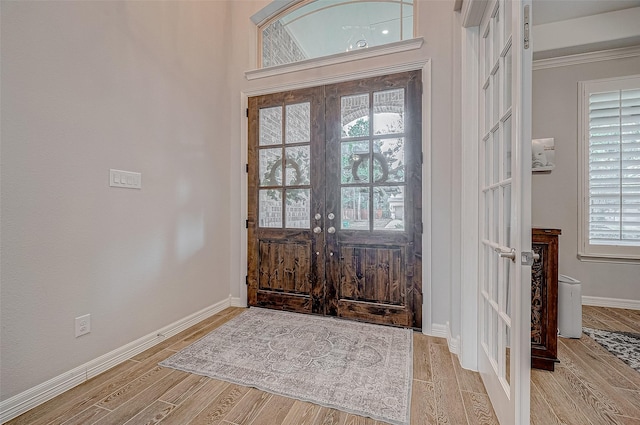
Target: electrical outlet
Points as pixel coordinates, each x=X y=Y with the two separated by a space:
x=83 y=325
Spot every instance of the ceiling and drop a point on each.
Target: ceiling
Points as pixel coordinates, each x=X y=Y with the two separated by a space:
x=547 y=11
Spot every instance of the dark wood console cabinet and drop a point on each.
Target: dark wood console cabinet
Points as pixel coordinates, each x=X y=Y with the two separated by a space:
x=544 y=299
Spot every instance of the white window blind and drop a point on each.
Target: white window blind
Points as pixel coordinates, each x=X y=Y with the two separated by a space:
x=610 y=132
x=614 y=167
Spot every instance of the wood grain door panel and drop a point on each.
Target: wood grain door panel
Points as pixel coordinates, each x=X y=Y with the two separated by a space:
x=373 y=274
x=285 y=266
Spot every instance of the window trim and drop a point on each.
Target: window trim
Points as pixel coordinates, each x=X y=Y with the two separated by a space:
x=587 y=251
x=386 y=49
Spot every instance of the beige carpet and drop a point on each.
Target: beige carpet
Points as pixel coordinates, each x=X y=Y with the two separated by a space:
x=355 y=367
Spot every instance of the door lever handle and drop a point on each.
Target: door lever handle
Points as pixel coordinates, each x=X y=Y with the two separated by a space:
x=511 y=255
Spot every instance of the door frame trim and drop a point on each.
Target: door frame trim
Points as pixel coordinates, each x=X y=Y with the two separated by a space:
x=294 y=83
x=470 y=237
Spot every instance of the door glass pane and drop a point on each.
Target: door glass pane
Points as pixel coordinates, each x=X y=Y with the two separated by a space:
x=496 y=156
x=388 y=208
x=488 y=253
x=506 y=289
x=354 y=204
x=299 y=123
x=355 y=162
x=388 y=160
x=487 y=107
x=508 y=71
x=496 y=215
x=485 y=329
x=270 y=126
x=490 y=216
x=504 y=284
x=354 y=113
x=496 y=98
x=487 y=265
x=270 y=208
x=507 y=353
x=487 y=52
x=298 y=165
x=506 y=204
x=298 y=208
x=495 y=275
x=507 y=20
x=487 y=161
x=487 y=214
x=506 y=134
x=388 y=112
x=270 y=167
x=495 y=27
x=494 y=334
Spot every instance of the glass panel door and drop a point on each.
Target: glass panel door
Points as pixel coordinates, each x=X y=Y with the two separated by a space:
x=505 y=209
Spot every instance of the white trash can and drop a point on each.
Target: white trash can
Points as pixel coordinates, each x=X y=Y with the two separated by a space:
x=569 y=307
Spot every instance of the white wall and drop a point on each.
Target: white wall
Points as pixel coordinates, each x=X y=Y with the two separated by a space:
x=555 y=195
x=88 y=86
x=435 y=22
x=153 y=87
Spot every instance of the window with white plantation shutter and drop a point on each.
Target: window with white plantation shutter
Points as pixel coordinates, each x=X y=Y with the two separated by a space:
x=610 y=147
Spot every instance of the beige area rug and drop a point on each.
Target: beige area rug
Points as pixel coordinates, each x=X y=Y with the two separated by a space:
x=355 y=367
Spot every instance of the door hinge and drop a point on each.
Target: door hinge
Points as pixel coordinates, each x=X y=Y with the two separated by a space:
x=421 y=228
x=246 y=280
x=526 y=27
x=246 y=224
x=421 y=157
x=247 y=112
x=526 y=258
x=246 y=168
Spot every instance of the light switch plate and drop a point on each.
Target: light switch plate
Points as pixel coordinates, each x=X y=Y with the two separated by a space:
x=126 y=179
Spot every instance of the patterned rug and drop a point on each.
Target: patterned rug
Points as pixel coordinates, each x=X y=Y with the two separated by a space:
x=355 y=367
x=624 y=345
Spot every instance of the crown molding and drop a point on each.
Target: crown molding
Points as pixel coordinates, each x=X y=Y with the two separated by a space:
x=583 y=58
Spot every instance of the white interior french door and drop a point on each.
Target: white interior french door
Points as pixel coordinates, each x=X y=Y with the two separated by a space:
x=505 y=207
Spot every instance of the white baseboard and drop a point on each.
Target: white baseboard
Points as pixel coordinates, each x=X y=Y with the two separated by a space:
x=37 y=395
x=237 y=302
x=611 y=302
x=444 y=331
x=454 y=343
x=438 y=330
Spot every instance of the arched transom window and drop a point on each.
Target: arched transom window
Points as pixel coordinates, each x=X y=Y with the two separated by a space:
x=318 y=28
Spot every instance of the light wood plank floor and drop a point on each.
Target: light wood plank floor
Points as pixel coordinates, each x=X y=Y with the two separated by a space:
x=589 y=387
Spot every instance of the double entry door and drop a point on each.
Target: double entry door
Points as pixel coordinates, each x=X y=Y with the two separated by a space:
x=334 y=220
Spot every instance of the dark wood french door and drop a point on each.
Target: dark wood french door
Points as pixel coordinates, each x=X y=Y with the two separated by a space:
x=335 y=200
